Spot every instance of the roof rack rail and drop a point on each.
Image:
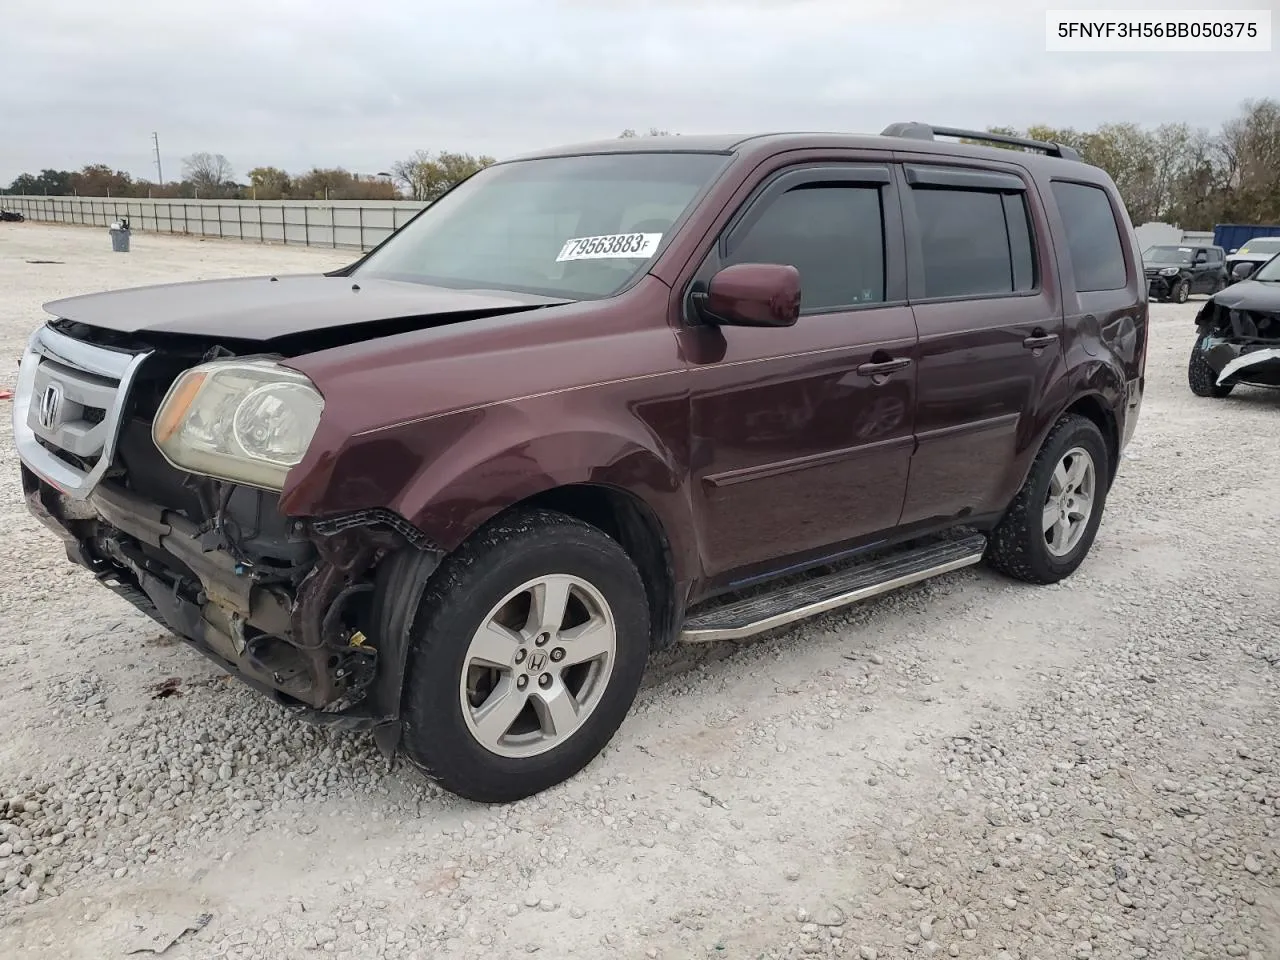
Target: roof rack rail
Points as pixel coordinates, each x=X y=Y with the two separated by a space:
x=924 y=131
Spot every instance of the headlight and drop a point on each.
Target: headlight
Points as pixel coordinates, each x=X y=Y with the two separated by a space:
x=1169 y=272
x=247 y=421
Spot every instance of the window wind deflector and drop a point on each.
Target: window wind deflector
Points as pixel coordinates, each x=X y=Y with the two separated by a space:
x=962 y=178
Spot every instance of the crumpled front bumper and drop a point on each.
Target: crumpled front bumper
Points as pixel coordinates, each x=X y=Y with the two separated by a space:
x=1160 y=288
x=1234 y=362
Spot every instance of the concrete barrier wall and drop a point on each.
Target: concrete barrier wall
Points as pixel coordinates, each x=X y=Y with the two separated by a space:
x=339 y=224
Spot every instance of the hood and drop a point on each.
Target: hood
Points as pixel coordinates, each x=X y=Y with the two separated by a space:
x=260 y=309
x=1250 y=295
x=1260 y=257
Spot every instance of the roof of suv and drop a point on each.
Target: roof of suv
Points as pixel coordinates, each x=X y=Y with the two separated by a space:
x=774 y=142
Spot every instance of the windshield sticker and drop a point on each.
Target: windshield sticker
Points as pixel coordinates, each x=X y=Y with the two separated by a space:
x=630 y=246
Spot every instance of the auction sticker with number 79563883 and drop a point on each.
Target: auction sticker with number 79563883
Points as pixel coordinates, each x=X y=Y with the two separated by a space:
x=637 y=246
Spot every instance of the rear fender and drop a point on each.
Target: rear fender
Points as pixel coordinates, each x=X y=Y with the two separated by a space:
x=1099 y=390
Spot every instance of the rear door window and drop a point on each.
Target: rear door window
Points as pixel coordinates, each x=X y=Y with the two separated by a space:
x=973 y=242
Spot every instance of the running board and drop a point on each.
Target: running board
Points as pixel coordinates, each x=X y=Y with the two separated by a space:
x=746 y=618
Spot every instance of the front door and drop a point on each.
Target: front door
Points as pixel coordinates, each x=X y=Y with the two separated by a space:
x=990 y=334
x=802 y=436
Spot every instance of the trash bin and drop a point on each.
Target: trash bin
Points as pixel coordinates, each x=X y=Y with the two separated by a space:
x=120 y=236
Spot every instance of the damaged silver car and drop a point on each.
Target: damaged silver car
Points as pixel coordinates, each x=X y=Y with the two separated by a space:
x=1239 y=336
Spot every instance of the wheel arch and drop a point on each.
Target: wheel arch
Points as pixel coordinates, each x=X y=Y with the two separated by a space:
x=636 y=526
x=1093 y=407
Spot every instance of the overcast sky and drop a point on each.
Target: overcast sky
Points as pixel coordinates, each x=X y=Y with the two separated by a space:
x=300 y=83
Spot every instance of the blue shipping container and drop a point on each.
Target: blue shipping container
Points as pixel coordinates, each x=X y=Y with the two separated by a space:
x=1231 y=236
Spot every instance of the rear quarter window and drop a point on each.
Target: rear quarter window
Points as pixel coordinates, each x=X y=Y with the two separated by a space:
x=1093 y=236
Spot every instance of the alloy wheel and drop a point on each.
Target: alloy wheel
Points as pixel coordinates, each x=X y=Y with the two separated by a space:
x=1069 y=502
x=538 y=666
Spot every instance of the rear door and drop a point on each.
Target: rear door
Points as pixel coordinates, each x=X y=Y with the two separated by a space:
x=990 y=332
x=1203 y=271
x=1216 y=271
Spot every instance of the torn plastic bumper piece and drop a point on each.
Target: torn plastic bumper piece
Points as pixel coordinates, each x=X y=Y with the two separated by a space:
x=1249 y=365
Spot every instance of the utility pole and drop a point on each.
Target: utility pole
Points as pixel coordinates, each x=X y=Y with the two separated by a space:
x=155 y=138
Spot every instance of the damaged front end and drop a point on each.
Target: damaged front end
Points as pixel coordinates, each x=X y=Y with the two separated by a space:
x=1241 y=345
x=313 y=611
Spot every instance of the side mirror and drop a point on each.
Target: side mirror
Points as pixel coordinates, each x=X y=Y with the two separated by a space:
x=1242 y=269
x=1202 y=258
x=751 y=295
x=1233 y=250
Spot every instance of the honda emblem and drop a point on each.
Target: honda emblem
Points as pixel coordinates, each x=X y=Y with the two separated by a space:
x=50 y=406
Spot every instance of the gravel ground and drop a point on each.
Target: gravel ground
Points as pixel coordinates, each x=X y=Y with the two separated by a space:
x=971 y=768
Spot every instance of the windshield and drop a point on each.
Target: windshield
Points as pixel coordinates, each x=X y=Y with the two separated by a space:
x=1265 y=247
x=1269 y=272
x=1167 y=255
x=572 y=227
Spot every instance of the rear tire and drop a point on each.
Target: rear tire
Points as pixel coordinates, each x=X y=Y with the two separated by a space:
x=1201 y=377
x=497 y=723
x=1024 y=545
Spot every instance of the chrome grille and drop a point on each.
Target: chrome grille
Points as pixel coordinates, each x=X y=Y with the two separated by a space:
x=68 y=407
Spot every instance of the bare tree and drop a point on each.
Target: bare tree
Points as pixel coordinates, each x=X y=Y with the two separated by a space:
x=210 y=173
x=414 y=173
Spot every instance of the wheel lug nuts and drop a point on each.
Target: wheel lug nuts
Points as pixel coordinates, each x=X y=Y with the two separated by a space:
x=557 y=654
x=542 y=639
x=521 y=682
x=544 y=681
x=520 y=655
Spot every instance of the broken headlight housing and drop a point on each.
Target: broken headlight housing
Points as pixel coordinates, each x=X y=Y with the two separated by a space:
x=246 y=421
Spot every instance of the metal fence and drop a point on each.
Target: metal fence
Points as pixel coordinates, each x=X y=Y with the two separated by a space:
x=340 y=224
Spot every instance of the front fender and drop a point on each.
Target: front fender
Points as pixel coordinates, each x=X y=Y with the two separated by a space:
x=512 y=457
x=450 y=474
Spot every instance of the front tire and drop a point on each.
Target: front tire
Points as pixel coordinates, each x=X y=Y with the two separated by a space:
x=529 y=650
x=1201 y=378
x=1182 y=291
x=1047 y=531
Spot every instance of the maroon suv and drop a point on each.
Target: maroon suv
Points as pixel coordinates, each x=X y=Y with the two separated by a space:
x=588 y=404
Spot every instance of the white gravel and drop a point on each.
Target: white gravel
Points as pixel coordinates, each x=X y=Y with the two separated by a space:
x=973 y=768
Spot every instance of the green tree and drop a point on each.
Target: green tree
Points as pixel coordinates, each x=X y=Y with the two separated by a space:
x=25 y=183
x=428 y=177
x=99 y=180
x=335 y=183
x=269 y=183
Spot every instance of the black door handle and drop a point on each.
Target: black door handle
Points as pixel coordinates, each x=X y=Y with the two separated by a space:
x=1039 y=339
x=882 y=367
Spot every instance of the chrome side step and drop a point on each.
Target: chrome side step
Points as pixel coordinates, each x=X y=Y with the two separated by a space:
x=746 y=618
